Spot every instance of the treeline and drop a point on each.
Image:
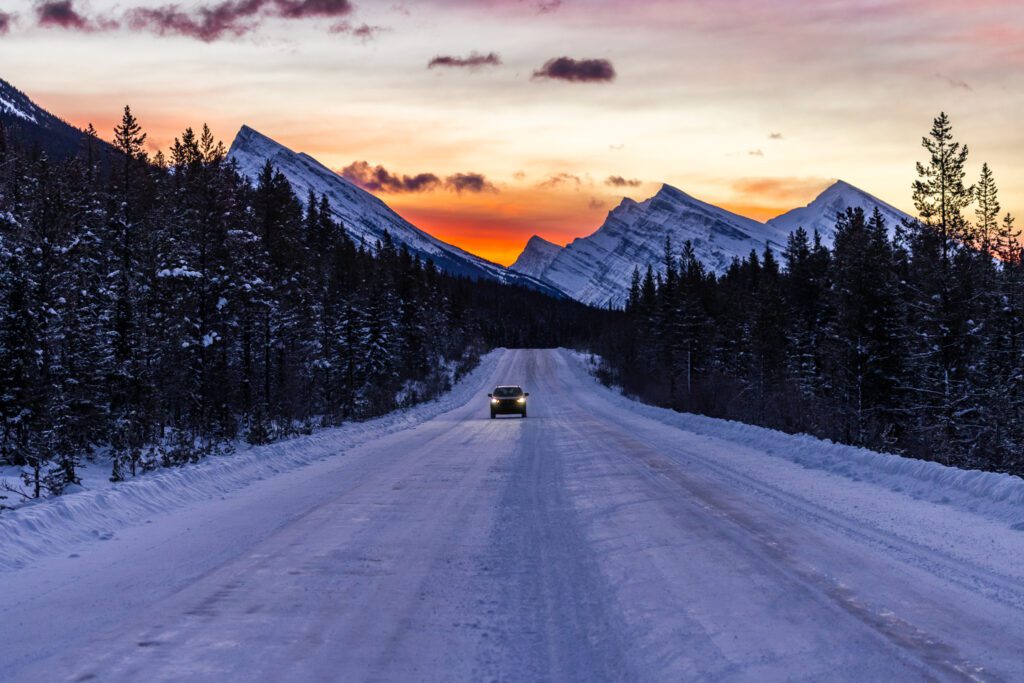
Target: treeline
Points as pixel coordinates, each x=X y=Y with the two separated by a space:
x=163 y=307
x=906 y=338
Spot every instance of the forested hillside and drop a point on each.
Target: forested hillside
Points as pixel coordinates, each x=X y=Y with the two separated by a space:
x=160 y=308
x=913 y=344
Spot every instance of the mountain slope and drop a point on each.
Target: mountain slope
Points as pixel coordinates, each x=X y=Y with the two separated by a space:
x=597 y=269
x=364 y=216
x=536 y=257
x=32 y=125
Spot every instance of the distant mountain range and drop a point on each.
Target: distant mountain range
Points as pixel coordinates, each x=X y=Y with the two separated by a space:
x=597 y=269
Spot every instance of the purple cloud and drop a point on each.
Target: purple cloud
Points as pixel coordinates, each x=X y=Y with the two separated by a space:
x=62 y=14
x=378 y=178
x=469 y=182
x=6 y=19
x=231 y=17
x=619 y=181
x=576 y=70
x=474 y=61
x=363 y=31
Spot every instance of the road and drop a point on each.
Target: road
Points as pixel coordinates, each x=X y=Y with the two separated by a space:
x=588 y=542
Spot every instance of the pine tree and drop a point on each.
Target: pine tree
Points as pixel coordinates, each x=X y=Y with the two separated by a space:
x=939 y=193
x=987 y=211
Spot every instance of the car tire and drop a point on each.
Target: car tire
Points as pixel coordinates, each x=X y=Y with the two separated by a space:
x=493 y=416
x=524 y=413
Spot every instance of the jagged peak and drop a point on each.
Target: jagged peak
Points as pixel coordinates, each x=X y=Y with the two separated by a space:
x=539 y=241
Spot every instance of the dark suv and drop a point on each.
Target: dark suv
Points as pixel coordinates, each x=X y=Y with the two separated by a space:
x=510 y=400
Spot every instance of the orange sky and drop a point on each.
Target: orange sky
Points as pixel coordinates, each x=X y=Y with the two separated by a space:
x=750 y=105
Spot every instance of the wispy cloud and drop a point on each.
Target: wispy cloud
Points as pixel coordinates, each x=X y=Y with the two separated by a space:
x=473 y=61
x=560 y=179
x=954 y=83
x=229 y=18
x=363 y=31
x=6 y=20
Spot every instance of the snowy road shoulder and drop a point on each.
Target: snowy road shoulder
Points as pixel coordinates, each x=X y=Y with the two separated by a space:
x=997 y=497
x=55 y=525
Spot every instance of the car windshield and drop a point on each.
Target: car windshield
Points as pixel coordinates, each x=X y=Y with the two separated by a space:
x=508 y=392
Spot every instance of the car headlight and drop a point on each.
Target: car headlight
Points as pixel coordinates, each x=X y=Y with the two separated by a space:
x=494 y=400
x=521 y=399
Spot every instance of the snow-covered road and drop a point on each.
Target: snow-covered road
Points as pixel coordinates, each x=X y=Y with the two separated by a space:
x=596 y=540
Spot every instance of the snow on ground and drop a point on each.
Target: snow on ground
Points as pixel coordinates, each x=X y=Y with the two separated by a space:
x=599 y=539
x=51 y=525
x=995 y=496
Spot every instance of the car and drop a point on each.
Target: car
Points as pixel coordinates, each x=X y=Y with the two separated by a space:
x=508 y=400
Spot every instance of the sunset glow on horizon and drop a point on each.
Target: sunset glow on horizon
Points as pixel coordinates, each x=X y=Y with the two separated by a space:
x=752 y=106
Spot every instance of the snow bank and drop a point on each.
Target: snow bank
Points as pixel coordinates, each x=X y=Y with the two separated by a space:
x=55 y=524
x=996 y=496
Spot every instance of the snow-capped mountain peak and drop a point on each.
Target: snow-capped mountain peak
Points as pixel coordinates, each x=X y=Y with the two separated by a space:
x=597 y=269
x=536 y=257
x=364 y=216
x=821 y=213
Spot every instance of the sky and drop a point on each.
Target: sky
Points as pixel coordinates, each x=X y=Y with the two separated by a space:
x=485 y=122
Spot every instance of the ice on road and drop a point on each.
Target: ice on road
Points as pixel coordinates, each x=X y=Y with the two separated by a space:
x=595 y=540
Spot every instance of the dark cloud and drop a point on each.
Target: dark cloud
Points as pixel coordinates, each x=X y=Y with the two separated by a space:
x=229 y=18
x=469 y=182
x=547 y=6
x=305 y=9
x=62 y=14
x=577 y=70
x=619 y=181
x=380 y=179
x=475 y=60
x=6 y=19
x=774 y=136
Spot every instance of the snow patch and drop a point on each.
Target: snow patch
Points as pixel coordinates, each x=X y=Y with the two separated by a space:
x=10 y=108
x=999 y=497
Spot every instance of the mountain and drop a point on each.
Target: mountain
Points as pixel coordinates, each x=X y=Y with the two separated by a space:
x=32 y=125
x=597 y=269
x=820 y=214
x=364 y=216
x=536 y=257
